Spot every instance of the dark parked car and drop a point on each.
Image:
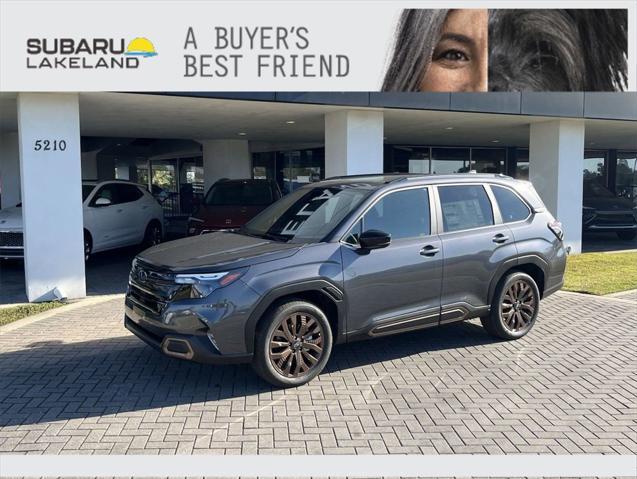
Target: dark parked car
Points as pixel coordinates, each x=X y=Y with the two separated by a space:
x=229 y=204
x=346 y=259
x=605 y=212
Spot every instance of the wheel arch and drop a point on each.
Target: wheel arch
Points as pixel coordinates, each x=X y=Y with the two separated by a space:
x=533 y=265
x=322 y=293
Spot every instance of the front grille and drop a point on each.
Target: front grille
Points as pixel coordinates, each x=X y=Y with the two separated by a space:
x=150 y=287
x=615 y=219
x=11 y=239
x=146 y=298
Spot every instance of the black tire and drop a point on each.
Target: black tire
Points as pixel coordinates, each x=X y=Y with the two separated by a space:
x=152 y=236
x=627 y=235
x=282 y=345
x=515 y=306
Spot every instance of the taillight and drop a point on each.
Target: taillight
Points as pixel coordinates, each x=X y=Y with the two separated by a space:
x=556 y=228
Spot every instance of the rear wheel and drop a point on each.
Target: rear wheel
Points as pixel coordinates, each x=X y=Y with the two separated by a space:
x=152 y=236
x=515 y=306
x=293 y=344
x=627 y=235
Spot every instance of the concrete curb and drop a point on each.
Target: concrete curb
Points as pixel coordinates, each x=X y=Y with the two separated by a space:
x=621 y=293
x=600 y=296
x=81 y=303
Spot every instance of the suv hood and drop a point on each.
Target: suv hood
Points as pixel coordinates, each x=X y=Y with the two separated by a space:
x=616 y=204
x=11 y=219
x=215 y=251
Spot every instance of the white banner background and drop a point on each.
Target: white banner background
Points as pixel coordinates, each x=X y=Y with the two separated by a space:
x=361 y=30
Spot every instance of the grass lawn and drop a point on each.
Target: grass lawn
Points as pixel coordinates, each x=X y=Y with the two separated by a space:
x=601 y=273
x=13 y=313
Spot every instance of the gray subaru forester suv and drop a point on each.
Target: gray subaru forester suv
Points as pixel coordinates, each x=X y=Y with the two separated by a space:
x=346 y=259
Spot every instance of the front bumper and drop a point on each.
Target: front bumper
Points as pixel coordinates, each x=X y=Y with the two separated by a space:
x=192 y=347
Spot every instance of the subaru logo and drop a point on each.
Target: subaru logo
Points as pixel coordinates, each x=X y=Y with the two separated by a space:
x=142 y=275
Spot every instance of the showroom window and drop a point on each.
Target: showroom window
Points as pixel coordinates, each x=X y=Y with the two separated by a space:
x=512 y=208
x=488 y=160
x=626 y=175
x=595 y=166
x=290 y=169
x=465 y=207
x=522 y=164
x=450 y=160
x=403 y=214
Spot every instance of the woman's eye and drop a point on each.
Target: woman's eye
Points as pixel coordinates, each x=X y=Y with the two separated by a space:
x=453 y=56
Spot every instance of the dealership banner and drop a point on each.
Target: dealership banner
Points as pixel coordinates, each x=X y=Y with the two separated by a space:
x=317 y=46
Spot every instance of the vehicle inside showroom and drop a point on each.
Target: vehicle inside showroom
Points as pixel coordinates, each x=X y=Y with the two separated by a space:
x=176 y=147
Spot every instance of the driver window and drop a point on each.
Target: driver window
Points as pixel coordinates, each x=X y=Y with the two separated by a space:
x=106 y=191
x=403 y=214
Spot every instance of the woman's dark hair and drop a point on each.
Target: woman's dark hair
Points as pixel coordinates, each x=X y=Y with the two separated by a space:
x=558 y=50
x=417 y=35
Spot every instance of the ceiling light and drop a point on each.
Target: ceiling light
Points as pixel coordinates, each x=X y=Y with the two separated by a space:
x=449 y=128
x=242 y=133
x=495 y=141
x=119 y=144
x=290 y=122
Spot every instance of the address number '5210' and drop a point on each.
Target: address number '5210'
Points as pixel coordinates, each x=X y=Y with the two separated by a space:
x=49 y=145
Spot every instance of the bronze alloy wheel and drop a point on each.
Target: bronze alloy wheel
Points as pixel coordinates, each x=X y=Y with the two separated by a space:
x=296 y=345
x=518 y=306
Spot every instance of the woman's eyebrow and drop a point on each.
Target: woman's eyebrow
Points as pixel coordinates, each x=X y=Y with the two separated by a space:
x=458 y=37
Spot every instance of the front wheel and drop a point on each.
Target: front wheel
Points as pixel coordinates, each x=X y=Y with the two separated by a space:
x=515 y=306
x=152 y=236
x=293 y=344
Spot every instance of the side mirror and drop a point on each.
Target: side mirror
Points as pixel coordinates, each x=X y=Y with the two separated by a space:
x=374 y=239
x=103 y=202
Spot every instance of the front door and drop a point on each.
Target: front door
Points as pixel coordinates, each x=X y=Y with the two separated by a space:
x=107 y=223
x=395 y=288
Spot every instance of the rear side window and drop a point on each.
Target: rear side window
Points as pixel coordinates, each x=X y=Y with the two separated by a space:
x=403 y=214
x=248 y=193
x=512 y=208
x=465 y=207
x=128 y=193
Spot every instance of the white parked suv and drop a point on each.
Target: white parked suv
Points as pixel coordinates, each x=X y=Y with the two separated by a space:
x=116 y=214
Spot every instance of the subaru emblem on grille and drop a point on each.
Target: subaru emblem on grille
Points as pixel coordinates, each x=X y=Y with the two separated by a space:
x=142 y=275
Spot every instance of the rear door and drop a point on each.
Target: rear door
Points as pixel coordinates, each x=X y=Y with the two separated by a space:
x=395 y=288
x=475 y=243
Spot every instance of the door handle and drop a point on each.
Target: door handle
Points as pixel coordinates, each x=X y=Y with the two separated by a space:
x=429 y=250
x=500 y=238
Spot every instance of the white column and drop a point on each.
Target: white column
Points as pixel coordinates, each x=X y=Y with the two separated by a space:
x=556 y=153
x=51 y=195
x=353 y=143
x=9 y=169
x=225 y=159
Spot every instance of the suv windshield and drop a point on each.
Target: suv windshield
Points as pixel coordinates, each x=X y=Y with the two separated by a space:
x=244 y=193
x=593 y=189
x=308 y=214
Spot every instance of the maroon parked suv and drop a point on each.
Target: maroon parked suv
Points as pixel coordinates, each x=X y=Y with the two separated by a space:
x=230 y=204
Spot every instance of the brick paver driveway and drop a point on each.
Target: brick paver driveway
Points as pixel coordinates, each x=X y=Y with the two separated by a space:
x=79 y=382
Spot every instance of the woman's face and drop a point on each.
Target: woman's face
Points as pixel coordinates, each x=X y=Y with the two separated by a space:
x=460 y=59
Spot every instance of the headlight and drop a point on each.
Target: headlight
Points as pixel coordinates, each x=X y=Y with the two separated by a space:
x=203 y=284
